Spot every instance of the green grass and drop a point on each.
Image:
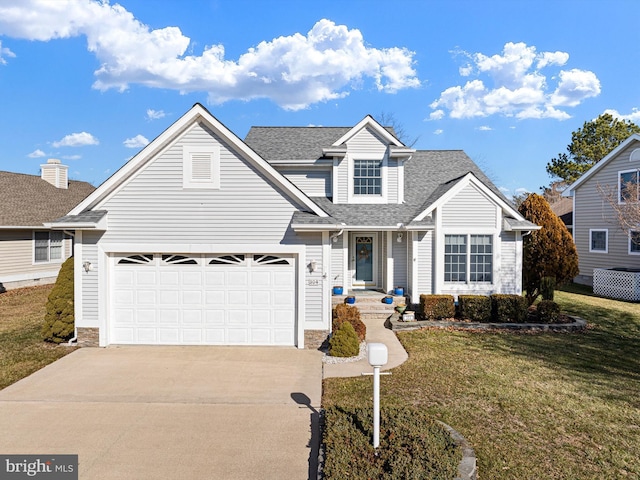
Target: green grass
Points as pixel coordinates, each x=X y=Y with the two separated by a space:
x=550 y=405
x=22 y=350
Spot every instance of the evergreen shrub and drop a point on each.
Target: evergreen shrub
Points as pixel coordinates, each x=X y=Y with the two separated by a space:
x=348 y=313
x=548 y=311
x=508 y=308
x=437 y=307
x=59 y=317
x=476 y=308
x=344 y=342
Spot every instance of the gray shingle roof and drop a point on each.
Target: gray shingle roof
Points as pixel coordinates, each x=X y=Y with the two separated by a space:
x=27 y=200
x=428 y=174
x=294 y=143
x=90 y=216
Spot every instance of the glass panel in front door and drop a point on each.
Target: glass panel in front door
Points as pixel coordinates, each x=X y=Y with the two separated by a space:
x=364 y=259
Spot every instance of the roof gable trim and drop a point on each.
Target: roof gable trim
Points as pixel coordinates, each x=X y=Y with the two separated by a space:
x=196 y=114
x=368 y=121
x=468 y=179
x=592 y=171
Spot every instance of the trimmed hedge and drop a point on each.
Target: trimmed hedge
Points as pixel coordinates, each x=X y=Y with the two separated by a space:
x=59 y=318
x=476 y=308
x=412 y=445
x=344 y=342
x=437 y=307
x=548 y=311
x=508 y=308
x=348 y=313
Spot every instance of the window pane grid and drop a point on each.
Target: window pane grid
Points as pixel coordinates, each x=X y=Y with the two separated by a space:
x=599 y=241
x=481 y=263
x=367 y=177
x=634 y=244
x=455 y=258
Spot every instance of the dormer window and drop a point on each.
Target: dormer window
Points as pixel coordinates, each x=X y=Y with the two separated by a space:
x=367 y=177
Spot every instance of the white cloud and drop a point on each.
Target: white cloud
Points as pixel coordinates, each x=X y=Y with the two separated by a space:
x=438 y=132
x=155 y=114
x=436 y=115
x=293 y=71
x=37 y=154
x=634 y=116
x=485 y=128
x=136 y=142
x=76 y=140
x=5 y=52
x=514 y=85
x=504 y=190
x=521 y=190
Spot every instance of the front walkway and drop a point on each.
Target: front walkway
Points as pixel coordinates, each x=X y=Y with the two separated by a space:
x=376 y=333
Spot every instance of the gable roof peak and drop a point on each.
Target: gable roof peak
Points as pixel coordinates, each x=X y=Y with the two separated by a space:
x=369 y=121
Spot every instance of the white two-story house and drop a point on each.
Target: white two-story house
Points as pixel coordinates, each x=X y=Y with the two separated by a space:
x=204 y=238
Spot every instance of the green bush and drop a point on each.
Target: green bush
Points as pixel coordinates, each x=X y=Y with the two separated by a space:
x=437 y=307
x=344 y=342
x=548 y=311
x=507 y=308
x=348 y=313
x=412 y=445
x=547 y=287
x=476 y=308
x=59 y=316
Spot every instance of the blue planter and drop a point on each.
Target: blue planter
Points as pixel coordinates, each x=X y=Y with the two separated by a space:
x=398 y=291
x=388 y=300
x=350 y=300
x=337 y=290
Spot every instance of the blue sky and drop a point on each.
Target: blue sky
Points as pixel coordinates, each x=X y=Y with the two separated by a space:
x=90 y=82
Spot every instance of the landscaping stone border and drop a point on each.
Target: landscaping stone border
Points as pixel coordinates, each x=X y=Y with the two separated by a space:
x=467 y=468
x=578 y=324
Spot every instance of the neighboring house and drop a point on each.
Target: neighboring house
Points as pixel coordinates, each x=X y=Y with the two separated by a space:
x=30 y=253
x=563 y=208
x=600 y=240
x=203 y=238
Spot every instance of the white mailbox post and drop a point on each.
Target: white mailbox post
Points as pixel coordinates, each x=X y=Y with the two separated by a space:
x=378 y=356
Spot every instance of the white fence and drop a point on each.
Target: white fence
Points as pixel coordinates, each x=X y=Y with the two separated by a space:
x=620 y=284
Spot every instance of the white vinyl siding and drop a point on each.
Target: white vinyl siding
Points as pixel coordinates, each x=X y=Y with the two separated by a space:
x=90 y=290
x=366 y=145
x=469 y=209
x=315 y=183
x=313 y=284
x=154 y=205
x=399 y=252
x=508 y=263
x=592 y=212
x=337 y=262
x=425 y=265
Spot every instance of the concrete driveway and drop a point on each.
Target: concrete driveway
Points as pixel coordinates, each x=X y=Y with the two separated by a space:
x=171 y=412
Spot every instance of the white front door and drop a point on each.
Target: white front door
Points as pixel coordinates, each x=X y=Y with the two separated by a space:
x=364 y=262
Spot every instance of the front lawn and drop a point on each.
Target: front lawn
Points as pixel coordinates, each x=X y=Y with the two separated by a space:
x=22 y=350
x=545 y=405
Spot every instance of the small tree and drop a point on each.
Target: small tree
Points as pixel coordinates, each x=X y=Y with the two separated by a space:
x=548 y=252
x=59 y=317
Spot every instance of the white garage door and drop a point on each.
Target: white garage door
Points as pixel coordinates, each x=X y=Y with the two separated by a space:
x=170 y=299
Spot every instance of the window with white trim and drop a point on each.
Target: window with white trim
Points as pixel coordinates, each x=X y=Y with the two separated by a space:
x=367 y=177
x=201 y=167
x=468 y=258
x=47 y=246
x=634 y=242
x=598 y=240
x=628 y=186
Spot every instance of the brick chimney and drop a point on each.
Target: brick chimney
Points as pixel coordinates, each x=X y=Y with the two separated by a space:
x=55 y=173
